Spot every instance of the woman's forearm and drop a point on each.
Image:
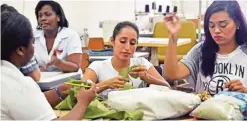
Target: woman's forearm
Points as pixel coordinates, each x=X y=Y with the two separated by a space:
x=153 y=80
x=171 y=61
x=67 y=66
x=101 y=86
x=76 y=113
x=52 y=97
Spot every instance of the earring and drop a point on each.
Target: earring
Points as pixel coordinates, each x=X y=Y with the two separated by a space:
x=238 y=27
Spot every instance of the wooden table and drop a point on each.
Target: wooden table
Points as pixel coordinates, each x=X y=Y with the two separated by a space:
x=182 y=118
x=154 y=44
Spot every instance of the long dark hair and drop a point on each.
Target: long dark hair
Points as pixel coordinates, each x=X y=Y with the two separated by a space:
x=209 y=47
x=56 y=7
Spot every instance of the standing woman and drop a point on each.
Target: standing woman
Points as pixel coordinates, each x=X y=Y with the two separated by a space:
x=219 y=62
x=57 y=48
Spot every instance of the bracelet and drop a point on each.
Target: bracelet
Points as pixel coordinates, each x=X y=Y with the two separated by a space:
x=58 y=94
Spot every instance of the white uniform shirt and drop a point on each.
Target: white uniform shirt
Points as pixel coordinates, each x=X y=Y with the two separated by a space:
x=67 y=41
x=104 y=71
x=21 y=98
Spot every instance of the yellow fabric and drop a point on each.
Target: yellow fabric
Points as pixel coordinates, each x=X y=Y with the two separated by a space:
x=187 y=30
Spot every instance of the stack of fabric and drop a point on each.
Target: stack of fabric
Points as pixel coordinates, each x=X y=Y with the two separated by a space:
x=98 y=107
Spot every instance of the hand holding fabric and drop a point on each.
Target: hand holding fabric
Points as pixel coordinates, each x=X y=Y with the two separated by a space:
x=116 y=82
x=86 y=96
x=236 y=85
x=139 y=71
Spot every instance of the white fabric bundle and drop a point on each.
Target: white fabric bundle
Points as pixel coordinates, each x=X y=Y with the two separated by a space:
x=221 y=107
x=157 y=102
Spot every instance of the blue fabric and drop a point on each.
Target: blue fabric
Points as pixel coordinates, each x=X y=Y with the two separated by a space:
x=104 y=52
x=240 y=96
x=30 y=66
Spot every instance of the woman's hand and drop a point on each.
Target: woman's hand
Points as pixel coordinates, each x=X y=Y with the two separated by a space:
x=53 y=61
x=86 y=96
x=139 y=71
x=116 y=82
x=236 y=85
x=172 y=23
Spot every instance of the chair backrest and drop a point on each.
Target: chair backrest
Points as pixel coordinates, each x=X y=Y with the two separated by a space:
x=96 y=43
x=187 y=30
x=84 y=61
x=195 y=21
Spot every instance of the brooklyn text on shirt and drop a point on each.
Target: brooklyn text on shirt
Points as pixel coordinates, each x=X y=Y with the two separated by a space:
x=223 y=72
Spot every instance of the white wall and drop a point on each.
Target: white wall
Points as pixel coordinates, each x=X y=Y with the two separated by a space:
x=83 y=14
x=191 y=7
x=88 y=13
x=243 y=4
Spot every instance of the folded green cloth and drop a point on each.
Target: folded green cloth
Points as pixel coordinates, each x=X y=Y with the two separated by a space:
x=127 y=86
x=97 y=109
x=125 y=73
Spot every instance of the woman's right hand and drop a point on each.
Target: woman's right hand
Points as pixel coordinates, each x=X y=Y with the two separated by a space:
x=172 y=23
x=86 y=96
x=116 y=82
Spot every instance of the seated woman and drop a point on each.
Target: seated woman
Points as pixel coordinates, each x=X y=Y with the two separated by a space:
x=57 y=48
x=21 y=98
x=106 y=73
x=220 y=61
x=31 y=68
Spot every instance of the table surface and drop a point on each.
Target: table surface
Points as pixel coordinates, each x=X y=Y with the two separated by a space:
x=47 y=77
x=136 y=54
x=60 y=113
x=50 y=80
x=156 y=42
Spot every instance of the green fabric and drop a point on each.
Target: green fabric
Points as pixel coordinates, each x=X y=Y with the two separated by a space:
x=97 y=109
x=78 y=83
x=125 y=72
x=69 y=102
x=127 y=86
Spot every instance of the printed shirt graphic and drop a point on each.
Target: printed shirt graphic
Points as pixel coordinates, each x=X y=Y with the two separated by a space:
x=227 y=68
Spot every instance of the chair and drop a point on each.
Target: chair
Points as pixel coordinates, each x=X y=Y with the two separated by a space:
x=195 y=21
x=96 y=43
x=84 y=61
x=187 y=30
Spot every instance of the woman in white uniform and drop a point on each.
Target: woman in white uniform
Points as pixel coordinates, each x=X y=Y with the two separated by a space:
x=57 y=48
x=106 y=73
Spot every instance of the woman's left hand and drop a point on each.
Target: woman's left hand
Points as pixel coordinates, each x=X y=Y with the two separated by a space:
x=139 y=71
x=236 y=85
x=54 y=60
